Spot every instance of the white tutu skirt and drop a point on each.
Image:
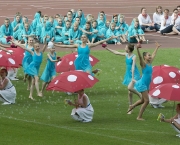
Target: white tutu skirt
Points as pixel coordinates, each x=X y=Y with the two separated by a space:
x=84 y=114
x=9 y=94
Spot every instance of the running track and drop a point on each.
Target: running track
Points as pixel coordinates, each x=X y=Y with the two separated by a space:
x=130 y=8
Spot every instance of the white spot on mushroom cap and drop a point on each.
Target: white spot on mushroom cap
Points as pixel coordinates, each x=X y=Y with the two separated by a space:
x=158 y=80
x=156 y=93
x=72 y=78
x=172 y=74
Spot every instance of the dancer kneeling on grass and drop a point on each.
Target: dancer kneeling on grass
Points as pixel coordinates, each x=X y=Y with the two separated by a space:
x=174 y=120
x=33 y=68
x=84 y=110
x=132 y=71
x=82 y=61
x=7 y=90
x=141 y=87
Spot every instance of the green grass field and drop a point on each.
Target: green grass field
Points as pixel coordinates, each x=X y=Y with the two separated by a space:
x=47 y=121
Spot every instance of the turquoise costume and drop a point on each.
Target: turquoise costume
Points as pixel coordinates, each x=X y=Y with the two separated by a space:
x=110 y=33
x=75 y=35
x=82 y=18
x=65 y=30
x=27 y=59
x=128 y=74
x=132 y=31
x=13 y=24
x=33 y=68
x=82 y=61
x=144 y=83
x=50 y=69
x=35 y=24
x=47 y=31
x=5 y=32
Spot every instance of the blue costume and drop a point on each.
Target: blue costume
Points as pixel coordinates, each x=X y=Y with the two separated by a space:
x=65 y=30
x=58 y=33
x=27 y=59
x=82 y=61
x=47 y=31
x=132 y=31
x=75 y=35
x=50 y=70
x=35 y=24
x=144 y=83
x=110 y=33
x=82 y=18
x=89 y=36
x=128 y=74
x=33 y=68
x=13 y=24
x=5 y=32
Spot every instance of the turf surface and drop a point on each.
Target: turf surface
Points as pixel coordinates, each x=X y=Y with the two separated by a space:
x=47 y=121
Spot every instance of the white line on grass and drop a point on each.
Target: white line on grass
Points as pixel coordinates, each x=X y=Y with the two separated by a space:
x=68 y=128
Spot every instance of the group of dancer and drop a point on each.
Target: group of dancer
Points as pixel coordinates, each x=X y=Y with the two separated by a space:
x=83 y=37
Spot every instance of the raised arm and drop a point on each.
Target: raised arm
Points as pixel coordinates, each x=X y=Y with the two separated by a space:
x=22 y=46
x=67 y=46
x=5 y=46
x=5 y=50
x=155 y=51
x=142 y=63
x=99 y=42
x=116 y=52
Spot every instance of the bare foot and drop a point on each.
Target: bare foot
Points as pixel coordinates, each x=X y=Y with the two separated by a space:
x=40 y=94
x=30 y=97
x=28 y=88
x=140 y=119
x=118 y=43
x=24 y=79
x=131 y=107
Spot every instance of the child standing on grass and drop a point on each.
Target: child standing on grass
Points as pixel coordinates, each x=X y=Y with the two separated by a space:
x=33 y=68
x=49 y=72
x=132 y=72
x=141 y=87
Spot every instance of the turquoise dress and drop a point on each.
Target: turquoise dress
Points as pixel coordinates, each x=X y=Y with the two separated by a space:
x=82 y=61
x=128 y=74
x=50 y=70
x=5 y=32
x=27 y=59
x=144 y=83
x=33 y=68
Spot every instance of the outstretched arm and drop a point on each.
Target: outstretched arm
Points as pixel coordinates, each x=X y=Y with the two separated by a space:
x=116 y=52
x=155 y=51
x=5 y=46
x=22 y=46
x=67 y=46
x=99 y=42
x=142 y=63
x=52 y=60
x=5 y=50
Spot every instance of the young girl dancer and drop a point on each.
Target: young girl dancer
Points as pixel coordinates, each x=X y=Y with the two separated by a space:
x=82 y=61
x=141 y=87
x=33 y=68
x=50 y=69
x=132 y=72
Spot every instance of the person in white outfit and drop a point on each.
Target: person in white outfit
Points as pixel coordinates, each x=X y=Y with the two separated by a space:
x=145 y=21
x=7 y=90
x=12 y=74
x=166 y=24
x=157 y=16
x=156 y=102
x=83 y=110
x=174 y=121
